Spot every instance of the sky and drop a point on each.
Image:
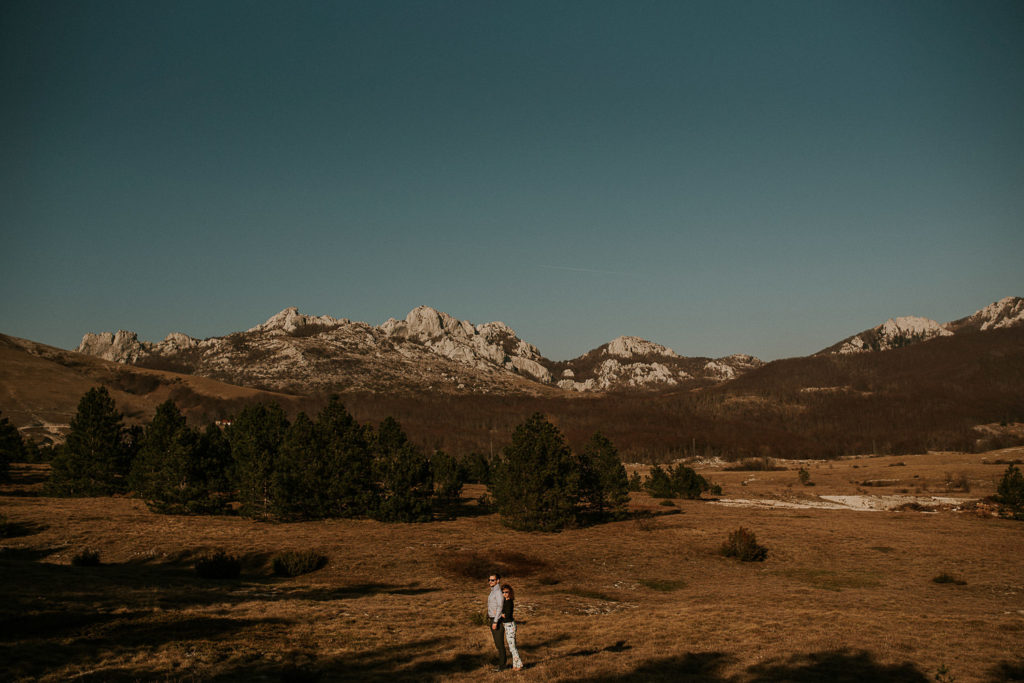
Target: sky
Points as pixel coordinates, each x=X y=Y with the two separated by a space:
x=719 y=177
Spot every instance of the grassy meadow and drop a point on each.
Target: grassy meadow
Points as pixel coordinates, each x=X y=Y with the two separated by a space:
x=843 y=594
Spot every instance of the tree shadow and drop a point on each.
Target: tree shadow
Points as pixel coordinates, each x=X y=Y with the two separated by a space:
x=415 y=661
x=618 y=646
x=1008 y=671
x=692 y=666
x=841 y=666
x=19 y=529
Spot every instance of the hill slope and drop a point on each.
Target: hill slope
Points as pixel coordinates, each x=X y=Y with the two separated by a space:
x=40 y=387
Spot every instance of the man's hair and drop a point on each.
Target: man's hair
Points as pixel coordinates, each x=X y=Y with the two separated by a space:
x=495 y=574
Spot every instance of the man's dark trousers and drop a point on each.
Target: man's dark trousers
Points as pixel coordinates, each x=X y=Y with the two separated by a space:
x=499 y=642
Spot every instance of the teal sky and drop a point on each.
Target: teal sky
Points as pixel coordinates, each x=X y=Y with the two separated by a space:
x=719 y=177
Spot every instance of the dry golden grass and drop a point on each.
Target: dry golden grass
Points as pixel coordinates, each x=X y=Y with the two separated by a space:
x=843 y=595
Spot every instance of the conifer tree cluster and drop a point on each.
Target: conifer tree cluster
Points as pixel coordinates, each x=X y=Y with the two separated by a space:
x=305 y=469
x=12 y=447
x=679 y=481
x=539 y=484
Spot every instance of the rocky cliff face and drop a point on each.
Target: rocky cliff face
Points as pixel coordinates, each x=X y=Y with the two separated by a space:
x=480 y=346
x=897 y=332
x=1008 y=312
x=632 y=363
x=314 y=354
x=427 y=351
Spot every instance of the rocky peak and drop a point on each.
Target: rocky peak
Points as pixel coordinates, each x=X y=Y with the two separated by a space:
x=121 y=346
x=290 y=320
x=492 y=343
x=634 y=347
x=1007 y=312
x=892 y=334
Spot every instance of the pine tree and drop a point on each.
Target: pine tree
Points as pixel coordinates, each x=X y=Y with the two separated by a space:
x=256 y=438
x=12 y=447
x=536 y=482
x=96 y=456
x=449 y=478
x=298 y=490
x=405 y=476
x=658 y=483
x=686 y=483
x=607 y=486
x=214 y=466
x=347 y=465
x=165 y=472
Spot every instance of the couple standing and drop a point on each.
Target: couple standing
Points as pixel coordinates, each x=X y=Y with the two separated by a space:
x=501 y=621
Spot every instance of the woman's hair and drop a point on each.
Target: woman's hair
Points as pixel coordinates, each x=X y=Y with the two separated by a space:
x=511 y=593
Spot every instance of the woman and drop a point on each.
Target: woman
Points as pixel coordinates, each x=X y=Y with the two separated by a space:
x=508 y=621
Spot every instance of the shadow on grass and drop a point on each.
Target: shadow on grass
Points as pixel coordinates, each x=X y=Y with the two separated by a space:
x=692 y=666
x=19 y=529
x=619 y=646
x=841 y=666
x=1008 y=671
x=416 y=661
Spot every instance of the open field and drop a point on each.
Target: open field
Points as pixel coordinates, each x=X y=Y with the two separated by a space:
x=844 y=594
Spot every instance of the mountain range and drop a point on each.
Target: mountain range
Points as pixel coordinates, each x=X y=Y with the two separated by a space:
x=464 y=388
x=431 y=351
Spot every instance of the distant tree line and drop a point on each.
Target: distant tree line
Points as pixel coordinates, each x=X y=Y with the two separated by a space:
x=272 y=468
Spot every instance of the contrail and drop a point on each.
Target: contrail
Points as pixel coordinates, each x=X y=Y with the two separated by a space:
x=585 y=270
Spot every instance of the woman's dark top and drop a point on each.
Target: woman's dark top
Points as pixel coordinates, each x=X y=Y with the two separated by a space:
x=506 y=610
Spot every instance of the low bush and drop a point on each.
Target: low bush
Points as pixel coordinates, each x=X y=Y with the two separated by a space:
x=218 y=565
x=742 y=544
x=297 y=562
x=804 y=476
x=89 y=557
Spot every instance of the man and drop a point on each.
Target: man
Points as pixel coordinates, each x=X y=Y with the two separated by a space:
x=494 y=601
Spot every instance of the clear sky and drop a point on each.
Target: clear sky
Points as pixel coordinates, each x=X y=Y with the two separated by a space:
x=719 y=177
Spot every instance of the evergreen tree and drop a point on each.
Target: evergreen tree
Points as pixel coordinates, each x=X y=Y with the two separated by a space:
x=449 y=478
x=12 y=447
x=1010 y=490
x=636 y=483
x=214 y=464
x=478 y=469
x=686 y=483
x=536 y=482
x=96 y=456
x=347 y=465
x=298 y=490
x=606 y=484
x=165 y=471
x=405 y=476
x=255 y=439
x=658 y=483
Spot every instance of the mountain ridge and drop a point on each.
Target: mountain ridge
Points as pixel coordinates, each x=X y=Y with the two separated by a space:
x=430 y=350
